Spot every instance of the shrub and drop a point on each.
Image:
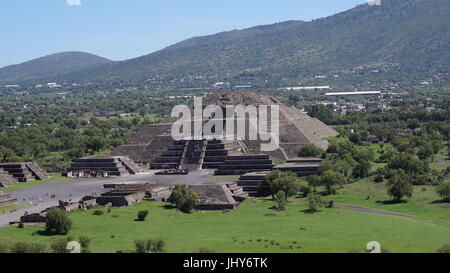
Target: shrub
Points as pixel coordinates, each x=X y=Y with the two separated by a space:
x=310 y=150
x=183 y=197
x=20 y=225
x=26 y=247
x=150 y=246
x=60 y=246
x=443 y=190
x=57 y=222
x=98 y=212
x=314 y=202
x=142 y=215
x=85 y=242
x=378 y=179
x=280 y=197
x=444 y=249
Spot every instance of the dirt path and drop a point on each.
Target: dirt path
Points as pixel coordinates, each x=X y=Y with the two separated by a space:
x=381 y=212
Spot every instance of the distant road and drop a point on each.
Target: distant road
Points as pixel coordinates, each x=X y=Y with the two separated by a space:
x=75 y=189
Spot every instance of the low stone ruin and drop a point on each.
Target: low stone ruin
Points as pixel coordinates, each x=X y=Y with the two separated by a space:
x=86 y=202
x=102 y=166
x=302 y=166
x=214 y=197
x=33 y=218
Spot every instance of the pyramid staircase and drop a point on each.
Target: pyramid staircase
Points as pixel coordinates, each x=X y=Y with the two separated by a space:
x=241 y=164
x=132 y=167
x=20 y=172
x=38 y=172
x=170 y=159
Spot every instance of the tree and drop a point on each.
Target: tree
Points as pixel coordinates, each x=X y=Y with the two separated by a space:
x=443 y=190
x=276 y=181
x=314 y=181
x=150 y=246
x=310 y=150
x=183 y=197
x=280 y=197
x=57 y=222
x=332 y=179
x=362 y=169
x=355 y=138
x=142 y=215
x=425 y=151
x=314 y=202
x=399 y=186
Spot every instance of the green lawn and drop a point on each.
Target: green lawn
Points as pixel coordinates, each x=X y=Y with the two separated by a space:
x=55 y=177
x=425 y=200
x=253 y=227
x=8 y=208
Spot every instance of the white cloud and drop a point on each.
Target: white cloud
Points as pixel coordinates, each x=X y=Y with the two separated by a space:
x=74 y=2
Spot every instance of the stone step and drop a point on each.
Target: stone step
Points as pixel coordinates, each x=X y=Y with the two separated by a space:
x=164 y=166
x=252 y=161
x=168 y=160
x=246 y=166
x=237 y=172
x=249 y=182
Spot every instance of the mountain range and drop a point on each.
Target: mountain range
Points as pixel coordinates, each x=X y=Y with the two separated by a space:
x=401 y=36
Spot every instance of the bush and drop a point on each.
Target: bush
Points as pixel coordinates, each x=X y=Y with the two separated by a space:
x=57 y=222
x=142 y=215
x=314 y=202
x=85 y=242
x=183 y=197
x=150 y=246
x=60 y=246
x=443 y=190
x=310 y=150
x=26 y=247
x=444 y=249
x=378 y=179
x=98 y=212
x=281 y=200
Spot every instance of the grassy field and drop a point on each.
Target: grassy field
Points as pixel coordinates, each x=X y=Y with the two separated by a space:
x=253 y=227
x=8 y=208
x=55 y=177
x=425 y=201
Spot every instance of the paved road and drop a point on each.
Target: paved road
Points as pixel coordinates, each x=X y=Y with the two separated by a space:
x=75 y=189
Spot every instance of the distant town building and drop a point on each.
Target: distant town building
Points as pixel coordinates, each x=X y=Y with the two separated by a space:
x=359 y=93
x=305 y=88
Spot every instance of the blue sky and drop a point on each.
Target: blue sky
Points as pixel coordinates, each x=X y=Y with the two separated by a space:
x=122 y=29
